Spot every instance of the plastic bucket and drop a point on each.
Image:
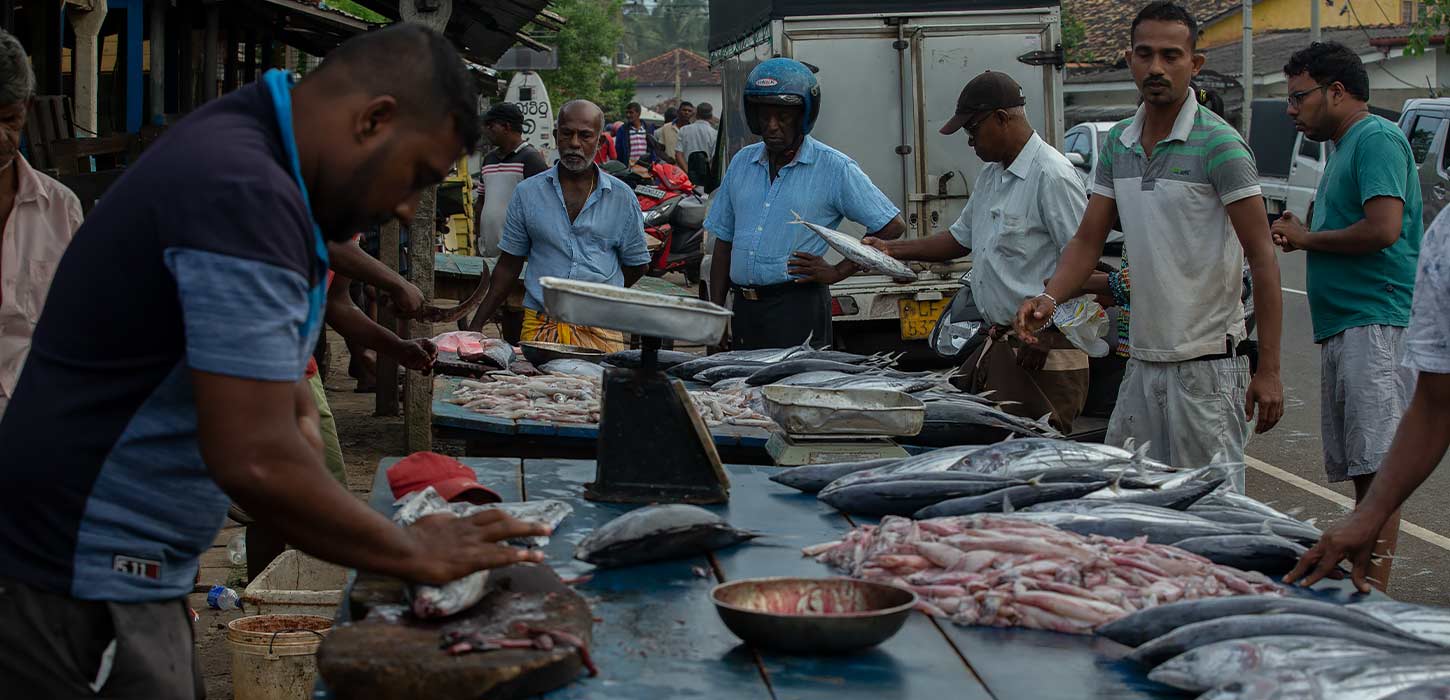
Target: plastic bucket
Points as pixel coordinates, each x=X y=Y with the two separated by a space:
x=274 y=657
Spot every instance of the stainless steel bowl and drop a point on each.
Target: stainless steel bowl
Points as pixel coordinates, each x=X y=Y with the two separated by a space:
x=537 y=353
x=812 y=615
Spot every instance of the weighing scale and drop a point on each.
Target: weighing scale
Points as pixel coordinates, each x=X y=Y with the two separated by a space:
x=788 y=450
x=653 y=445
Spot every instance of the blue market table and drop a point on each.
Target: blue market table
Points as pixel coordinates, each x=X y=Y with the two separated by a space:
x=487 y=436
x=658 y=636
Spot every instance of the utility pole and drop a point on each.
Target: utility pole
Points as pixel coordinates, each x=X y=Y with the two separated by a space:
x=1314 y=19
x=679 y=89
x=1248 y=72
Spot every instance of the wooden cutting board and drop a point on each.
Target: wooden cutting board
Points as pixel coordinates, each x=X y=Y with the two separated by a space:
x=400 y=656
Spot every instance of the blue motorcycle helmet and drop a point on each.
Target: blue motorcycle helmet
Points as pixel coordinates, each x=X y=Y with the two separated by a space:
x=785 y=82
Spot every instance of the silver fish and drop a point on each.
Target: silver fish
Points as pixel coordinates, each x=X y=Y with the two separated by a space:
x=1207 y=632
x=655 y=533
x=574 y=368
x=813 y=379
x=1206 y=667
x=1420 y=620
x=1370 y=678
x=857 y=252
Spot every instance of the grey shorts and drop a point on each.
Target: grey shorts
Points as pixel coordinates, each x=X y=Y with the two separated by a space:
x=1189 y=413
x=1364 y=390
x=56 y=646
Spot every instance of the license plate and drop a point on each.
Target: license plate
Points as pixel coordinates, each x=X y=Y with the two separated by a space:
x=652 y=192
x=919 y=317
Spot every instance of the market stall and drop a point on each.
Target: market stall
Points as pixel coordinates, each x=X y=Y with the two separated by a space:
x=657 y=635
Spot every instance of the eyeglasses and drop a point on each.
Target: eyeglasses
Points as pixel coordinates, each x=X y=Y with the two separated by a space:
x=1297 y=98
x=972 y=127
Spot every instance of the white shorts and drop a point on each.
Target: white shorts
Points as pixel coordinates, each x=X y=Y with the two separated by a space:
x=1189 y=413
x=1364 y=391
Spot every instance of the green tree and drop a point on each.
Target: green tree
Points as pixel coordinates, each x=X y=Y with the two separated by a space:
x=1431 y=27
x=652 y=30
x=355 y=10
x=1074 y=33
x=586 y=47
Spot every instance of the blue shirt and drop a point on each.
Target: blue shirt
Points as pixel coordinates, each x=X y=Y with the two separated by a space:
x=606 y=237
x=753 y=214
x=111 y=498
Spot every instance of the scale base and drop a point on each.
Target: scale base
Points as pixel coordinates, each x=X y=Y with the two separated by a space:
x=653 y=446
x=795 y=450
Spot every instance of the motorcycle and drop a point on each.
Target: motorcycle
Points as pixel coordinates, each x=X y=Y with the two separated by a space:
x=673 y=214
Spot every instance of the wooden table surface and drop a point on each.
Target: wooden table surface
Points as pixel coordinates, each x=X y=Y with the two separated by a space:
x=659 y=636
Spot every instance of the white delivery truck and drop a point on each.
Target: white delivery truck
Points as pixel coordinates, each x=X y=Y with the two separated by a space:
x=890 y=72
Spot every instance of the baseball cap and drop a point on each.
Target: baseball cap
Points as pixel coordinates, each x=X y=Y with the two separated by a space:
x=506 y=112
x=449 y=477
x=989 y=91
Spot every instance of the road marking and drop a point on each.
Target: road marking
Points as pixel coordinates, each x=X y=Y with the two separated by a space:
x=1300 y=292
x=1335 y=497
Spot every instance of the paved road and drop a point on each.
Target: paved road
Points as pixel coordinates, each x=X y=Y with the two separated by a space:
x=1421 y=568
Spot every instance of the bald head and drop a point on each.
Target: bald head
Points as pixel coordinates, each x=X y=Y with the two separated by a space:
x=580 y=124
x=584 y=111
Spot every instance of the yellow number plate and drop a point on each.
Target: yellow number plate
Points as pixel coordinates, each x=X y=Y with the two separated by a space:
x=918 y=317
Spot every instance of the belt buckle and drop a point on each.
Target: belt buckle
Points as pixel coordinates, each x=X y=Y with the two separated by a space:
x=749 y=294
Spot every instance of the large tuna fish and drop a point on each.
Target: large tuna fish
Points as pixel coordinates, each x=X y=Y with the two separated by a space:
x=1206 y=667
x=1007 y=500
x=1207 y=632
x=811 y=478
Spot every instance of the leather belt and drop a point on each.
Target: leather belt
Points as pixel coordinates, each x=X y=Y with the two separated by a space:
x=1228 y=353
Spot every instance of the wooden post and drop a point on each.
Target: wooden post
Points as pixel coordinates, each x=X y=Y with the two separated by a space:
x=208 y=52
x=229 y=61
x=45 y=33
x=387 y=368
x=418 y=388
x=86 y=65
x=156 y=77
x=249 y=65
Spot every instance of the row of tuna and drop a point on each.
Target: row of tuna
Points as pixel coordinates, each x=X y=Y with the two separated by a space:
x=1279 y=648
x=1078 y=487
x=1005 y=571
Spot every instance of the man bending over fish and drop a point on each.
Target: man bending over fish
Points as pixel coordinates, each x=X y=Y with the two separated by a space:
x=775 y=268
x=125 y=455
x=1025 y=206
x=573 y=221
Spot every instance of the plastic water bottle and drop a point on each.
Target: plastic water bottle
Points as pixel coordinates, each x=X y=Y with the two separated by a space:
x=223 y=598
x=237 y=548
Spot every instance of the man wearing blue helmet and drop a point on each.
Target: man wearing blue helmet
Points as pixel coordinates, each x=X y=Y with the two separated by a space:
x=776 y=269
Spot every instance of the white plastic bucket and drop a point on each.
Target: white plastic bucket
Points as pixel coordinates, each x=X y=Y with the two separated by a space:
x=274 y=657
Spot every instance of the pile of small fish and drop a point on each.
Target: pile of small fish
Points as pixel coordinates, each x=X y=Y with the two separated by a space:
x=573 y=397
x=1005 y=571
x=657 y=533
x=1085 y=488
x=1270 y=647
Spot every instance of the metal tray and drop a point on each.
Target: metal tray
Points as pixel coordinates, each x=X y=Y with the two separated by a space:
x=634 y=311
x=537 y=352
x=803 y=410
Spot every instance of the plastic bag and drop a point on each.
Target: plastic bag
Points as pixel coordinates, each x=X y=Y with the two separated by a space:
x=1084 y=323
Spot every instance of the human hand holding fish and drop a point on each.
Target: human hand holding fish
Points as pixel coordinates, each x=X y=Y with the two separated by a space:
x=805 y=267
x=1354 y=539
x=447 y=548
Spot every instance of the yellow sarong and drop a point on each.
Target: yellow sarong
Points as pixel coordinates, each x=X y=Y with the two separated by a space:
x=540 y=327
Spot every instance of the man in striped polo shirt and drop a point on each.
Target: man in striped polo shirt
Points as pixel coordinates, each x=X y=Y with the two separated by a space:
x=511 y=160
x=1185 y=185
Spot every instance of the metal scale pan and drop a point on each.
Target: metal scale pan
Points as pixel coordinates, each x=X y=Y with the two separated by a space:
x=653 y=445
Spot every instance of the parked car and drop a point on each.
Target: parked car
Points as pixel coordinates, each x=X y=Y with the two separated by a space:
x=1425 y=123
x=1082 y=145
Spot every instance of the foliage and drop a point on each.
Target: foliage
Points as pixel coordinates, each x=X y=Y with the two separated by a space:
x=1074 y=33
x=356 y=10
x=586 y=47
x=1431 y=26
x=652 y=30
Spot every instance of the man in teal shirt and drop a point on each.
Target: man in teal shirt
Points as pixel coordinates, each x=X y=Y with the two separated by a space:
x=1362 y=252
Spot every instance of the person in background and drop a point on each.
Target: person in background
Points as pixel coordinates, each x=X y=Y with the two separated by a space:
x=606 y=150
x=212 y=255
x=573 y=221
x=1186 y=187
x=38 y=217
x=511 y=161
x=669 y=134
x=1025 y=206
x=696 y=148
x=1361 y=250
x=776 y=270
x=632 y=139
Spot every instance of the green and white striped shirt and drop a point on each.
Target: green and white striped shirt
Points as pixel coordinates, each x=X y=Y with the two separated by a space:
x=1187 y=262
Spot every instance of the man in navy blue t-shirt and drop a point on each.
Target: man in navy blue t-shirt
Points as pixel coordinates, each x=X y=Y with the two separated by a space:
x=131 y=430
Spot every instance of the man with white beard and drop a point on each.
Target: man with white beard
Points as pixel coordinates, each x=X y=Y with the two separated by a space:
x=573 y=221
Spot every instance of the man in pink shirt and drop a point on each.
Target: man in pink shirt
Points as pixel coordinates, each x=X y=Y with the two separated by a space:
x=38 y=216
